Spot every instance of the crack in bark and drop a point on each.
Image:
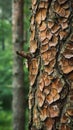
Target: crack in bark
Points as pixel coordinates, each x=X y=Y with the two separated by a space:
x=60 y=46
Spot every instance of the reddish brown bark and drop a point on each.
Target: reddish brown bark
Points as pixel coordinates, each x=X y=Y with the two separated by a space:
x=51 y=65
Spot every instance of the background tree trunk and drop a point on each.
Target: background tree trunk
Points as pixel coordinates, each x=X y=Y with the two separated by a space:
x=18 y=72
x=51 y=65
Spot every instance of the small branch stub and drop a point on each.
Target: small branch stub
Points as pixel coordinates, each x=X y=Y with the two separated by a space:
x=24 y=55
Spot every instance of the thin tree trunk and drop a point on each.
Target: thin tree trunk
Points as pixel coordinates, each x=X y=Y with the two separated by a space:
x=2 y=32
x=51 y=65
x=18 y=72
x=3 y=44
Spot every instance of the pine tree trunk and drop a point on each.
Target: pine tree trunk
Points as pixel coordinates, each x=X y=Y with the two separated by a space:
x=51 y=65
x=18 y=72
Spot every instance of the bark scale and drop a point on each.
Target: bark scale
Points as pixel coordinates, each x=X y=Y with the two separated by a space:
x=18 y=72
x=51 y=65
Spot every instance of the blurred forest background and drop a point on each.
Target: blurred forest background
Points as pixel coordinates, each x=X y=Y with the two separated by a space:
x=6 y=62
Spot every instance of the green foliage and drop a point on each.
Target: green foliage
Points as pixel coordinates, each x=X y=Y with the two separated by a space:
x=26 y=22
x=5 y=74
x=5 y=120
x=5 y=9
x=26 y=119
x=6 y=61
x=6 y=68
x=5 y=29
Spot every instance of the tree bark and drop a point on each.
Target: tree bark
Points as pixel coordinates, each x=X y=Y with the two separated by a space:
x=18 y=72
x=51 y=65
